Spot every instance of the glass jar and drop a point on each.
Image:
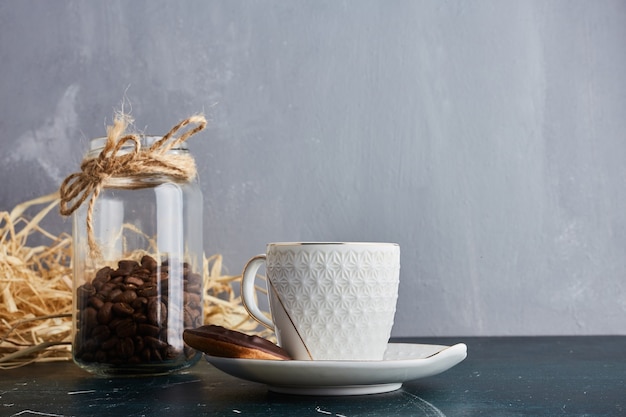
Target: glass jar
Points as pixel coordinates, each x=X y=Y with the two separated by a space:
x=133 y=300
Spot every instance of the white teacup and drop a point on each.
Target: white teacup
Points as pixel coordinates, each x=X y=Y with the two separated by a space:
x=329 y=301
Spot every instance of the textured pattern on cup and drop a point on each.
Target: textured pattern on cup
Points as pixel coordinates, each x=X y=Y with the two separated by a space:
x=340 y=298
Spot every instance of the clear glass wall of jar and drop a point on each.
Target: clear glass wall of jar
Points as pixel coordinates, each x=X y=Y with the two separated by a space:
x=134 y=299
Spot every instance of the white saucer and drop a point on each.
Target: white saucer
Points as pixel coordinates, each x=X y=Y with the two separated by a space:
x=402 y=362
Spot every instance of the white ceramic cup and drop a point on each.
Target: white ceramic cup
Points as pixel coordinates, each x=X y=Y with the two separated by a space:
x=329 y=301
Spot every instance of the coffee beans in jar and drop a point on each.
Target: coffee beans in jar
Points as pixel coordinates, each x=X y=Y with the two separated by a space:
x=130 y=320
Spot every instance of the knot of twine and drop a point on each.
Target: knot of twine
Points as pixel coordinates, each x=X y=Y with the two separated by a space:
x=136 y=164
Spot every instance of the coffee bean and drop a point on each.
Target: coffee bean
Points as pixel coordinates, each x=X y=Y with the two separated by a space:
x=115 y=293
x=188 y=320
x=110 y=343
x=171 y=352
x=142 y=272
x=119 y=273
x=140 y=317
x=83 y=293
x=123 y=309
x=149 y=263
x=97 y=285
x=192 y=317
x=156 y=355
x=105 y=313
x=114 y=323
x=191 y=298
x=139 y=302
x=91 y=345
x=125 y=347
x=122 y=315
x=145 y=355
x=126 y=328
x=101 y=333
x=117 y=280
x=127 y=266
x=128 y=296
x=149 y=290
x=155 y=343
x=194 y=289
x=156 y=312
x=194 y=279
x=95 y=302
x=106 y=289
x=134 y=280
x=86 y=290
x=89 y=317
x=139 y=344
x=145 y=329
x=103 y=275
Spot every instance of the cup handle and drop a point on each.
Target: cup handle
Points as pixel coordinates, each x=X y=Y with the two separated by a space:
x=248 y=291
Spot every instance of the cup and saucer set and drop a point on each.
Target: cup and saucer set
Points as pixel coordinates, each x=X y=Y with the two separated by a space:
x=332 y=308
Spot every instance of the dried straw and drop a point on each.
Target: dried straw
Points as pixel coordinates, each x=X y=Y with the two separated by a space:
x=36 y=290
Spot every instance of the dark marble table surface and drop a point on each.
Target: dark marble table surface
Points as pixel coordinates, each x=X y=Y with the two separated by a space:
x=502 y=376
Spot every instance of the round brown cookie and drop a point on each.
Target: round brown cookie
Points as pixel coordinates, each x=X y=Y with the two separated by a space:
x=219 y=341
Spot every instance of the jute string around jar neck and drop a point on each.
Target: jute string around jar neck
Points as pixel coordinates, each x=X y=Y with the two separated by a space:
x=136 y=164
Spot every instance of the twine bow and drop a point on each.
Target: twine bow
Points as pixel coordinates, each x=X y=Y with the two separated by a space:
x=137 y=163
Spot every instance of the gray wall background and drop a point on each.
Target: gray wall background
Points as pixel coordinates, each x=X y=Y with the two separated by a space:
x=486 y=137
